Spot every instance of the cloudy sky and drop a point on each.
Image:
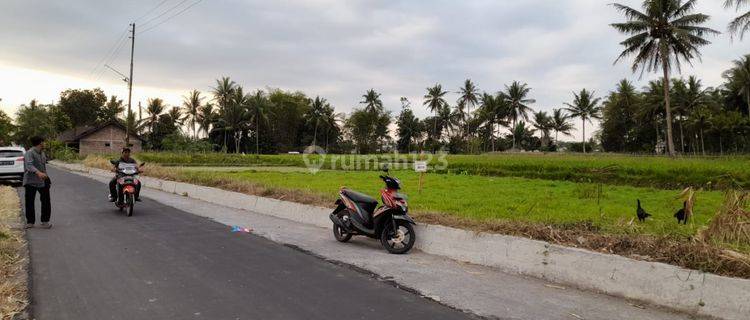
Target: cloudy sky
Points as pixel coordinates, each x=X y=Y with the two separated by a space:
x=333 y=48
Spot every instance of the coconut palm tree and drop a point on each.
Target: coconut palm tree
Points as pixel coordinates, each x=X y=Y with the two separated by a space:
x=469 y=97
x=435 y=102
x=495 y=111
x=206 y=116
x=741 y=23
x=586 y=107
x=192 y=103
x=517 y=97
x=223 y=92
x=259 y=107
x=154 y=108
x=175 y=114
x=372 y=101
x=665 y=34
x=561 y=123
x=315 y=116
x=738 y=78
x=543 y=124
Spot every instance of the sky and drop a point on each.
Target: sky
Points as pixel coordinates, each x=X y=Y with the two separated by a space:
x=333 y=48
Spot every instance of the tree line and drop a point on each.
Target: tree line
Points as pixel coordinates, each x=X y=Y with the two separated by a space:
x=661 y=36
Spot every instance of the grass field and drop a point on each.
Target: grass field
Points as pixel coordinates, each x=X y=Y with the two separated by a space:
x=643 y=171
x=504 y=198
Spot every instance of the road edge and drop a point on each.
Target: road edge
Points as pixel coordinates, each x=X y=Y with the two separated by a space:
x=676 y=288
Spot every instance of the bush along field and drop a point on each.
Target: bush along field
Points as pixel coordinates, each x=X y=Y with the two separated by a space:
x=591 y=215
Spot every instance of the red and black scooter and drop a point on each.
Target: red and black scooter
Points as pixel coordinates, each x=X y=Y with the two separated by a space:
x=127 y=180
x=356 y=214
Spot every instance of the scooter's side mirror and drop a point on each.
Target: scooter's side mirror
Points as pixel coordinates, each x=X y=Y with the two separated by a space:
x=143 y=164
x=113 y=162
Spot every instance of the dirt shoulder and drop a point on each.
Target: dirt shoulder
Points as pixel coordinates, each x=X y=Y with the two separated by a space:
x=14 y=262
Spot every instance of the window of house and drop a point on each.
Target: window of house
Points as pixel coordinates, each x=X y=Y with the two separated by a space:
x=106 y=144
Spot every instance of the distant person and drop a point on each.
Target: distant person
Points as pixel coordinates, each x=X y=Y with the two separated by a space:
x=124 y=158
x=35 y=179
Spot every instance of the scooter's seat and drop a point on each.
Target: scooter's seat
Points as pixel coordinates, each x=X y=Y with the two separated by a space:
x=359 y=197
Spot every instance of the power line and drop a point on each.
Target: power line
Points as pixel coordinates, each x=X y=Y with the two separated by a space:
x=150 y=11
x=170 y=17
x=163 y=13
x=112 y=57
x=109 y=52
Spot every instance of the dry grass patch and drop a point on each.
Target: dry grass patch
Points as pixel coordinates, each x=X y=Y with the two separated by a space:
x=732 y=223
x=692 y=253
x=13 y=257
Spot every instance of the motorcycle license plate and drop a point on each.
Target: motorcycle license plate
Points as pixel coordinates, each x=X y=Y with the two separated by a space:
x=7 y=163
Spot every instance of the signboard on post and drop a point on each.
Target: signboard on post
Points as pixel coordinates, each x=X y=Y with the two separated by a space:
x=421 y=167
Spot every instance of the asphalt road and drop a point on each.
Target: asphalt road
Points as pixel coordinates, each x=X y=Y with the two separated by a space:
x=163 y=263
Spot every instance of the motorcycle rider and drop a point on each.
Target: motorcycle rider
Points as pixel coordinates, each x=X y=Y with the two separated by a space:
x=124 y=158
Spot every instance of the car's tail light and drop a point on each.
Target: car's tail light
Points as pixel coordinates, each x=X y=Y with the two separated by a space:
x=19 y=159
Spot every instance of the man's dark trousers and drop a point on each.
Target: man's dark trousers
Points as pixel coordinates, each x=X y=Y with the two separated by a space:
x=30 y=197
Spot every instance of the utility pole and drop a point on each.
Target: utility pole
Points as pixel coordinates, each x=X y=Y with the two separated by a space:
x=130 y=83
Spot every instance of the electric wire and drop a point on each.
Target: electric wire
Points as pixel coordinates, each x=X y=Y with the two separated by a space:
x=109 y=52
x=170 y=17
x=150 y=11
x=163 y=13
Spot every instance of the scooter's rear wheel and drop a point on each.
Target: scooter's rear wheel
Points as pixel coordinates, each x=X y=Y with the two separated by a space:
x=340 y=234
x=398 y=241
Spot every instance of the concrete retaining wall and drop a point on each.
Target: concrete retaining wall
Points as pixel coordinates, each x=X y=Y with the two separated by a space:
x=686 y=290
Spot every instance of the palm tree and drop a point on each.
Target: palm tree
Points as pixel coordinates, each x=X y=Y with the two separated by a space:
x=223 y=91
x=259 y=107
x=154 y=109
x=236 y=116
x=664 y=35
x=192 y=103
x=331 y=119
x=435 y=102
x=206 y=116
x=543 y=123
x=741 y=23
x=561 y=123
x=372 y=101
x=316 y=115
x=469 y=97
x=175 y=114
x=586 y=107
x=517 y=97
x=495 y=111
x=738 y=78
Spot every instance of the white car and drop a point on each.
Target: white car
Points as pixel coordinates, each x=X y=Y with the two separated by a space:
x=11 y=163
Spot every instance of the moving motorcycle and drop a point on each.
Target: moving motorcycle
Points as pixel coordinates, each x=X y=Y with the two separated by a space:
x=127 y=180
x=356 y=214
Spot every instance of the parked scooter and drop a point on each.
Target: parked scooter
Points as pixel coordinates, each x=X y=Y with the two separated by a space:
x=127 y=180
x=356 y=214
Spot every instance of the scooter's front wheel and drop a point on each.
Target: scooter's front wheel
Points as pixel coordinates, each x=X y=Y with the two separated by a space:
x=398 y=241
x=130 y=204
x=340 y=234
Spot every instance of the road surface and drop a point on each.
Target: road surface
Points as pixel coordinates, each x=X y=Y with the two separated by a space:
x=164 y=263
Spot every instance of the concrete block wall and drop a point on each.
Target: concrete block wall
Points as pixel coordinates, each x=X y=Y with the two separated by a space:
x=686 y=290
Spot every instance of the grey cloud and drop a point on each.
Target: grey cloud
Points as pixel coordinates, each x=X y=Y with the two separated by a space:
x=339 y=49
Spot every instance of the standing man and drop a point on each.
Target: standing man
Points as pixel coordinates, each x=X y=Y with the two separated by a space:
x=35 y=180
